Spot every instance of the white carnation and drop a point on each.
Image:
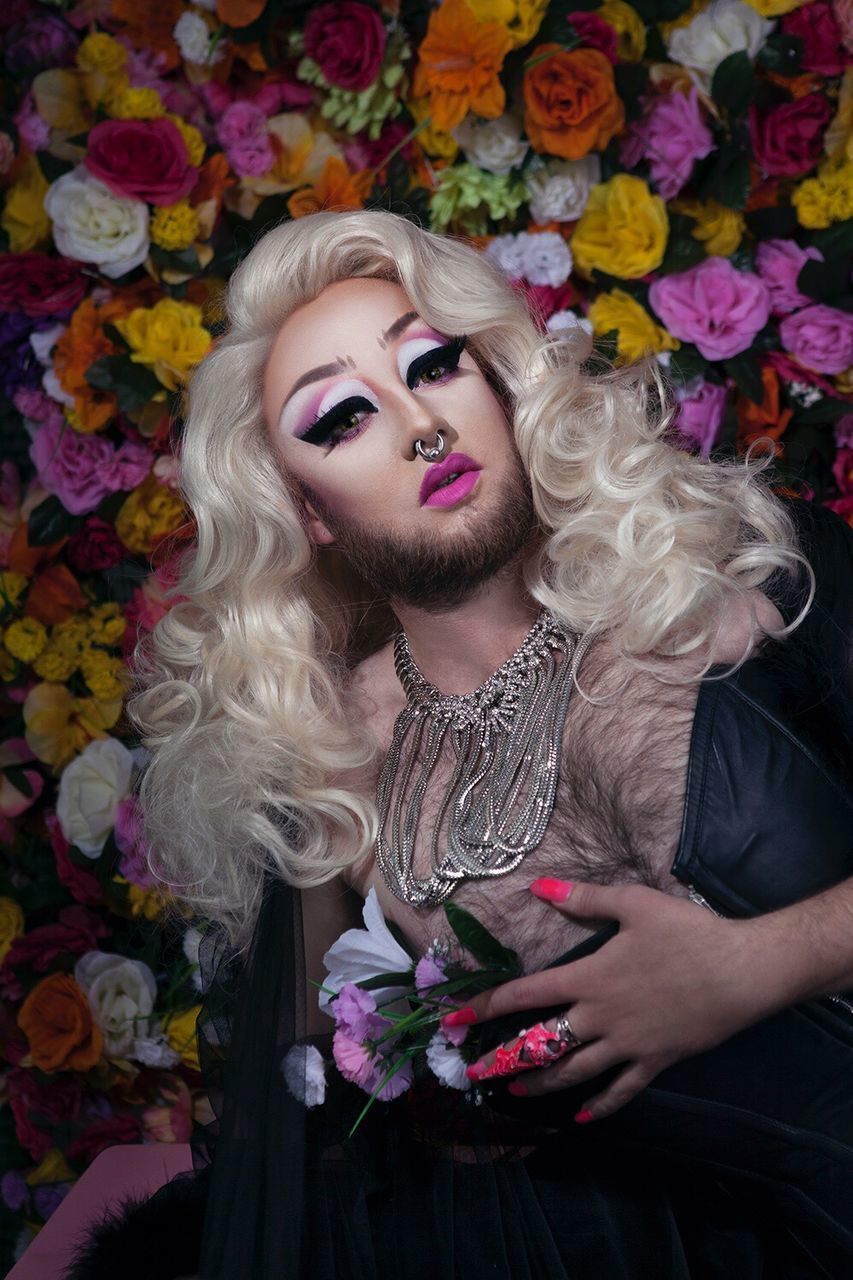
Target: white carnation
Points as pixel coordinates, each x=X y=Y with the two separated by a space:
x=91 y=789
x=546 y=258
x=93 y=225
x=446 y=1062
x=494 y=145
x=305 y=1074
x=559 y=191
x=725 y=27
x=154 y=1051
x=192 y=36
x=121 y=994
x=507 y=254
x=564 y=321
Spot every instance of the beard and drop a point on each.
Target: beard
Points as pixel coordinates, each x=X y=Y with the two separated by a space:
x=436 y=572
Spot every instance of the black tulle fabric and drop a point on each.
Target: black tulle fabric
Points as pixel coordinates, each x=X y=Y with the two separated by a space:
x=735 y=1163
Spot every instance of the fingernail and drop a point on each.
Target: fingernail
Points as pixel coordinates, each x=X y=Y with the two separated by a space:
x=584 y=1117
x=476 y=1071
x=517 y=1088
x=551 y=890
x=459 y=1018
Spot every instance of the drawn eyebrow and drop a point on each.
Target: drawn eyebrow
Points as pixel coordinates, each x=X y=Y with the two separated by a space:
x=326 y=370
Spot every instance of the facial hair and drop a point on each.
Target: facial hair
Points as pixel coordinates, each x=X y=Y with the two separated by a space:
x=437 y=571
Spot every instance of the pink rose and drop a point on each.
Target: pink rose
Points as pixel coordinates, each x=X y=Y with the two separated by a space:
x=71 y=466
x=779 y=262
x=815 y=25
x=714 y=306
x=700 y=415
x=39 y=285
x=671 y=136
x=594 y=32
x=33 y=129
x=787 y=141
x=242 y=132
x=820 y=337
x=347 y=41
x=145 y=159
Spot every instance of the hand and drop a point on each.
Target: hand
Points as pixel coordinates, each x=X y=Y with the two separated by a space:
x=674 y=981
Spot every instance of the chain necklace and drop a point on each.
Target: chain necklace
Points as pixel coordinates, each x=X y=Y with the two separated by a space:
x=506 y=738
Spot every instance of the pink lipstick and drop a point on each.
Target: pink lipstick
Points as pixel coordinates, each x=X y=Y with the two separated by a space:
x=449 y=481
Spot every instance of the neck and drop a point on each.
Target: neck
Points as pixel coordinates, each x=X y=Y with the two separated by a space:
x=458 y=648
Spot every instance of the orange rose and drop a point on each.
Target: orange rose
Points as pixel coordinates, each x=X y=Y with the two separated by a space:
x=570 y=100
x=58 y=1024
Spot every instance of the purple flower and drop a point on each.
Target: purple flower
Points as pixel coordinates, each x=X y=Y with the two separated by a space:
x=133 y=864
x=14 y=1190
x=820 y=337
x=242 y=132
x=428 y=972
x=671 y=136
x=71 y=466
x=19 y=368
x=700 y=414
x=130 y=464
x=714 y=306
x=42 y=40
x=33 y=128
x=779 y=262
x=49 y=1197
x=355 y=1013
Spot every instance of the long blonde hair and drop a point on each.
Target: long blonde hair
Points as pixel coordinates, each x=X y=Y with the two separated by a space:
x=239 y=687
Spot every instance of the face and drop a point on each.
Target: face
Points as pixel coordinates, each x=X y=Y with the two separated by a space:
x=355 y=377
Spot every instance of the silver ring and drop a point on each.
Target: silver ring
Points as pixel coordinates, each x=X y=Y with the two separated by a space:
x=563 y=1028
x=434 y=452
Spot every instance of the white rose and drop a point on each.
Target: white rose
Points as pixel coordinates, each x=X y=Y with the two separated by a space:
x=559 y=191
x=91 y=788
x=121 y=994
x=507 y=254
x=192 y=35
x=494 y=145
x=546 y=258
x=93 y=225
x=726 y=26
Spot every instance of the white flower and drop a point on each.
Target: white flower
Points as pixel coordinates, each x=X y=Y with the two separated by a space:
x=567 y=320
x=559 y=191
x=446 y=1062
x=91 y=788
x=359 y=954
x=191 y=942
x=154 y=1051
x=121 y=994
x=507 y=254
x=546 y=257
x=725 y=27
x=93 y=225
x=43 y=341
x=305 y=1074
x=192 y=36
x=52 y=386
x=494 y=145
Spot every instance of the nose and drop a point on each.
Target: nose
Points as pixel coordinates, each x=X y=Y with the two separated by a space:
x=420 y=421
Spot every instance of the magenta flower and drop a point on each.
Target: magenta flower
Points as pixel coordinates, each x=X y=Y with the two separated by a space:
x=347 y=41
x=428 y=973
x=700 y=415
x=71 y=466
x=594 y=32
x=672 y=136
x=242 y=132
x=779 y=262
x=714 y=306
x=820 y=337
x=355 y=1013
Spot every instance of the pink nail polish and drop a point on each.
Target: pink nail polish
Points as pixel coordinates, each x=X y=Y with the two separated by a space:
x=551 y=890
x=476 y=1070
x=459 y=1018
x=517 y=1088
x=584 y=1117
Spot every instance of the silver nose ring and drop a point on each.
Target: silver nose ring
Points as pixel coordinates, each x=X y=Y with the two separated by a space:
x=433 y=452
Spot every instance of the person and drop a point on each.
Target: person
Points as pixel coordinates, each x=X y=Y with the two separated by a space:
x=462 y=622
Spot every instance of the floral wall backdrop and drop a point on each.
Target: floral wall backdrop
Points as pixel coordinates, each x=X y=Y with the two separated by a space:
x=674 y=176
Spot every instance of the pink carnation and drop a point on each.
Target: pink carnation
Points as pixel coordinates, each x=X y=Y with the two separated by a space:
x=779 y=262
x=672 y=137
x=354 y=1060
x=714 y=306
x=700 y=415
x=242 y=132
x=594 y=32
x=820 y=337
x=129 y=466
x=71 y=466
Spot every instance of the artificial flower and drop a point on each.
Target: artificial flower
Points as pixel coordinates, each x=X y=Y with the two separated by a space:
x=629 y=27
x=148 y=515
x=90 y=790
x=558 y=190
x=637 y=333
x=24 y=218
x=594 y=32
x=121 y=994
x=58 y=1024
x=25 y=638
x=359 y=954
x=714 y=306
x=623 y=230
x=446 y=1062
x=819 y=337
x=347 y=40
x=242 y=131
x=39 y=285
x=94 y=225
x=816 y=26
x=719 y=228
x=723 y=28
x=671 y=136
x=494 y=145
x=169 y=337
x=521 y=18
x=699 y=414
x=826 y=198
x=11 y=924
x=58 y=725
x=175 y=226
x=571 y=106
x=765 y=421
x=180 y=1031
x=336 y=188
x=787 y=140
x=465 y=194
x=305 y=1074
x=459 y=61
x=779 y=263
x=773 y=8
x=195 y=40
x=141 y=159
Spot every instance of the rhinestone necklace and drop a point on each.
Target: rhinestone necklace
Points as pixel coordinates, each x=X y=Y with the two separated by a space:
x=506 y=738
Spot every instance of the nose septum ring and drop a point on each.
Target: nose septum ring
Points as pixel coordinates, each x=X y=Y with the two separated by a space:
x=433 y=452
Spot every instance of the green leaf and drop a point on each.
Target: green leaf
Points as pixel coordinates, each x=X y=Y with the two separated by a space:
x=745 y=371
x=727 y=178
x=835 y=241
x=733 y=85
x=775 y=223
x=687 y=364
x=184 y=261
x=682 y=252
x=133 y=384
x=476 y=938
x=823 y=281
x=825 y=411
x=631 y=80
x=49 y=522
x=386 y=980
x=17 y=776
x=782 y=54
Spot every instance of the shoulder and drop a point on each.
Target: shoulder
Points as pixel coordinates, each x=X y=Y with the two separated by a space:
x=374 y=695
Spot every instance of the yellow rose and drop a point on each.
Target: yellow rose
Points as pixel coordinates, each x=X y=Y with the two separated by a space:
x=174 y=226
x=181 y=1035
x=25 y=639
x=629 y=27
x=774 y=8
x=58 y=726
x=24 y=219
x=102 y=53
x=169 y=337
x=622 y=231
x=719 y=228
x=637 y=332
x=147 y=515
x=11 y=924
x=136 y=104
x=522 y=18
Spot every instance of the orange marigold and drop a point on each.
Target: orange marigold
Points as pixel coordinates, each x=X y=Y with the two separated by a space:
x=336 y=188
x=82 y=343
x=459 y=63
x=570 y=101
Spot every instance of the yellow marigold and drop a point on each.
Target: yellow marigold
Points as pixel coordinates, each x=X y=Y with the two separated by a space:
x=70 y=637
x=24 y=219
x=103 y=53
x=169 y=337
x=811 y=199
x=53 y=665
x=719 y=228
x=622 y=231
x=148 y=903
x=105 y=676
x=460 y=60
x=629 y=27
x=174 y=226
x=11 y=924
x=107 y=623
x=136 y=104
x=147 y=515
x=181 y=1035
x=637 y=332
x=774 y=8
x=195 y=143
x=12 y=586
x=25 y=639
x=522 y=18
x=58 y=726
x=828 y=197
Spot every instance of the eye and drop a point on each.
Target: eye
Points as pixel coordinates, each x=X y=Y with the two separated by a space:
x=344 y=422
x=433 y=365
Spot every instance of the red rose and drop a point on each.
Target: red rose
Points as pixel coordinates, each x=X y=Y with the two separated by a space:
x=100 y=1135
x=146 y=159
x=347 y=41
x=77 y=930
x=95 y=547
x=83 y=885
x=815 y=25
x=55 y=1102
x=788 y=140
x=39 y=285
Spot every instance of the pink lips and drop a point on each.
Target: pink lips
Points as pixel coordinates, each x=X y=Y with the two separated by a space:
x=466 y=471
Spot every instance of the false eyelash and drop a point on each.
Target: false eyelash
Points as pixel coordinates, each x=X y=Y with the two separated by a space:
x=322 y=428
x=449 y=354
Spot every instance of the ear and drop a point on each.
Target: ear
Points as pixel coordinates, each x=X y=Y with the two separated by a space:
x=315 y=528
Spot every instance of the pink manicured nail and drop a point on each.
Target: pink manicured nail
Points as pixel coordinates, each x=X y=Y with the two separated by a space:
x=517 y=1088
x=476 y=1070
x=551 y=890
x=459 y=1018
x=584 y=1117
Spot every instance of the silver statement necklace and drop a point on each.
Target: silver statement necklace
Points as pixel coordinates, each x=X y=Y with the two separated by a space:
x=506 y=738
